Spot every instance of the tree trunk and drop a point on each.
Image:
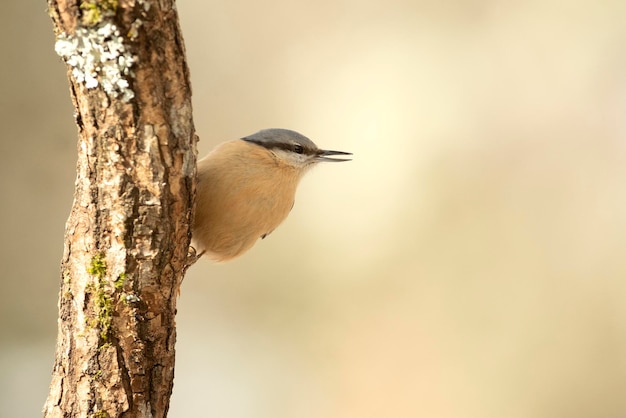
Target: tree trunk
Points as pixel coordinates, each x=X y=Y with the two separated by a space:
x=128 y=232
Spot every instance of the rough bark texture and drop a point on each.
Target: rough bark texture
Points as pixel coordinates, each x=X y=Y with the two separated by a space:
x=128 y=233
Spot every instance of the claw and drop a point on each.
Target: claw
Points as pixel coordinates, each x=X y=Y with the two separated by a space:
x=192 y=256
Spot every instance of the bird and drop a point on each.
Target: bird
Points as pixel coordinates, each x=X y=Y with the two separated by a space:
x=246 y=187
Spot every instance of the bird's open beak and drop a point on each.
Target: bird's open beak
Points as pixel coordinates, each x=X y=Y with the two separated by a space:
x=323 y=155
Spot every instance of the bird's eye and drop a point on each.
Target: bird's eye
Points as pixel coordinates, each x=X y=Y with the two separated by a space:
x=298 y=149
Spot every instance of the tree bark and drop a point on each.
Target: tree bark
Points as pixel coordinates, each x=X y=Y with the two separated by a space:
x=128 y=233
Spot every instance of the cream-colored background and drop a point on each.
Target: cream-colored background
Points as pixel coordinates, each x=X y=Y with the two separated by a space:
x=469 y=263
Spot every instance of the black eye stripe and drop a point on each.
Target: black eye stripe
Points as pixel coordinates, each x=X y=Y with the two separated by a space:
x=293 y=147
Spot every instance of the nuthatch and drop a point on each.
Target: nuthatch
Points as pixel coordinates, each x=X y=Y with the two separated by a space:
x=246 y=188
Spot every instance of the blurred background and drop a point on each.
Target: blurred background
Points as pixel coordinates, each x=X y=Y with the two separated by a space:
x=469 y=263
